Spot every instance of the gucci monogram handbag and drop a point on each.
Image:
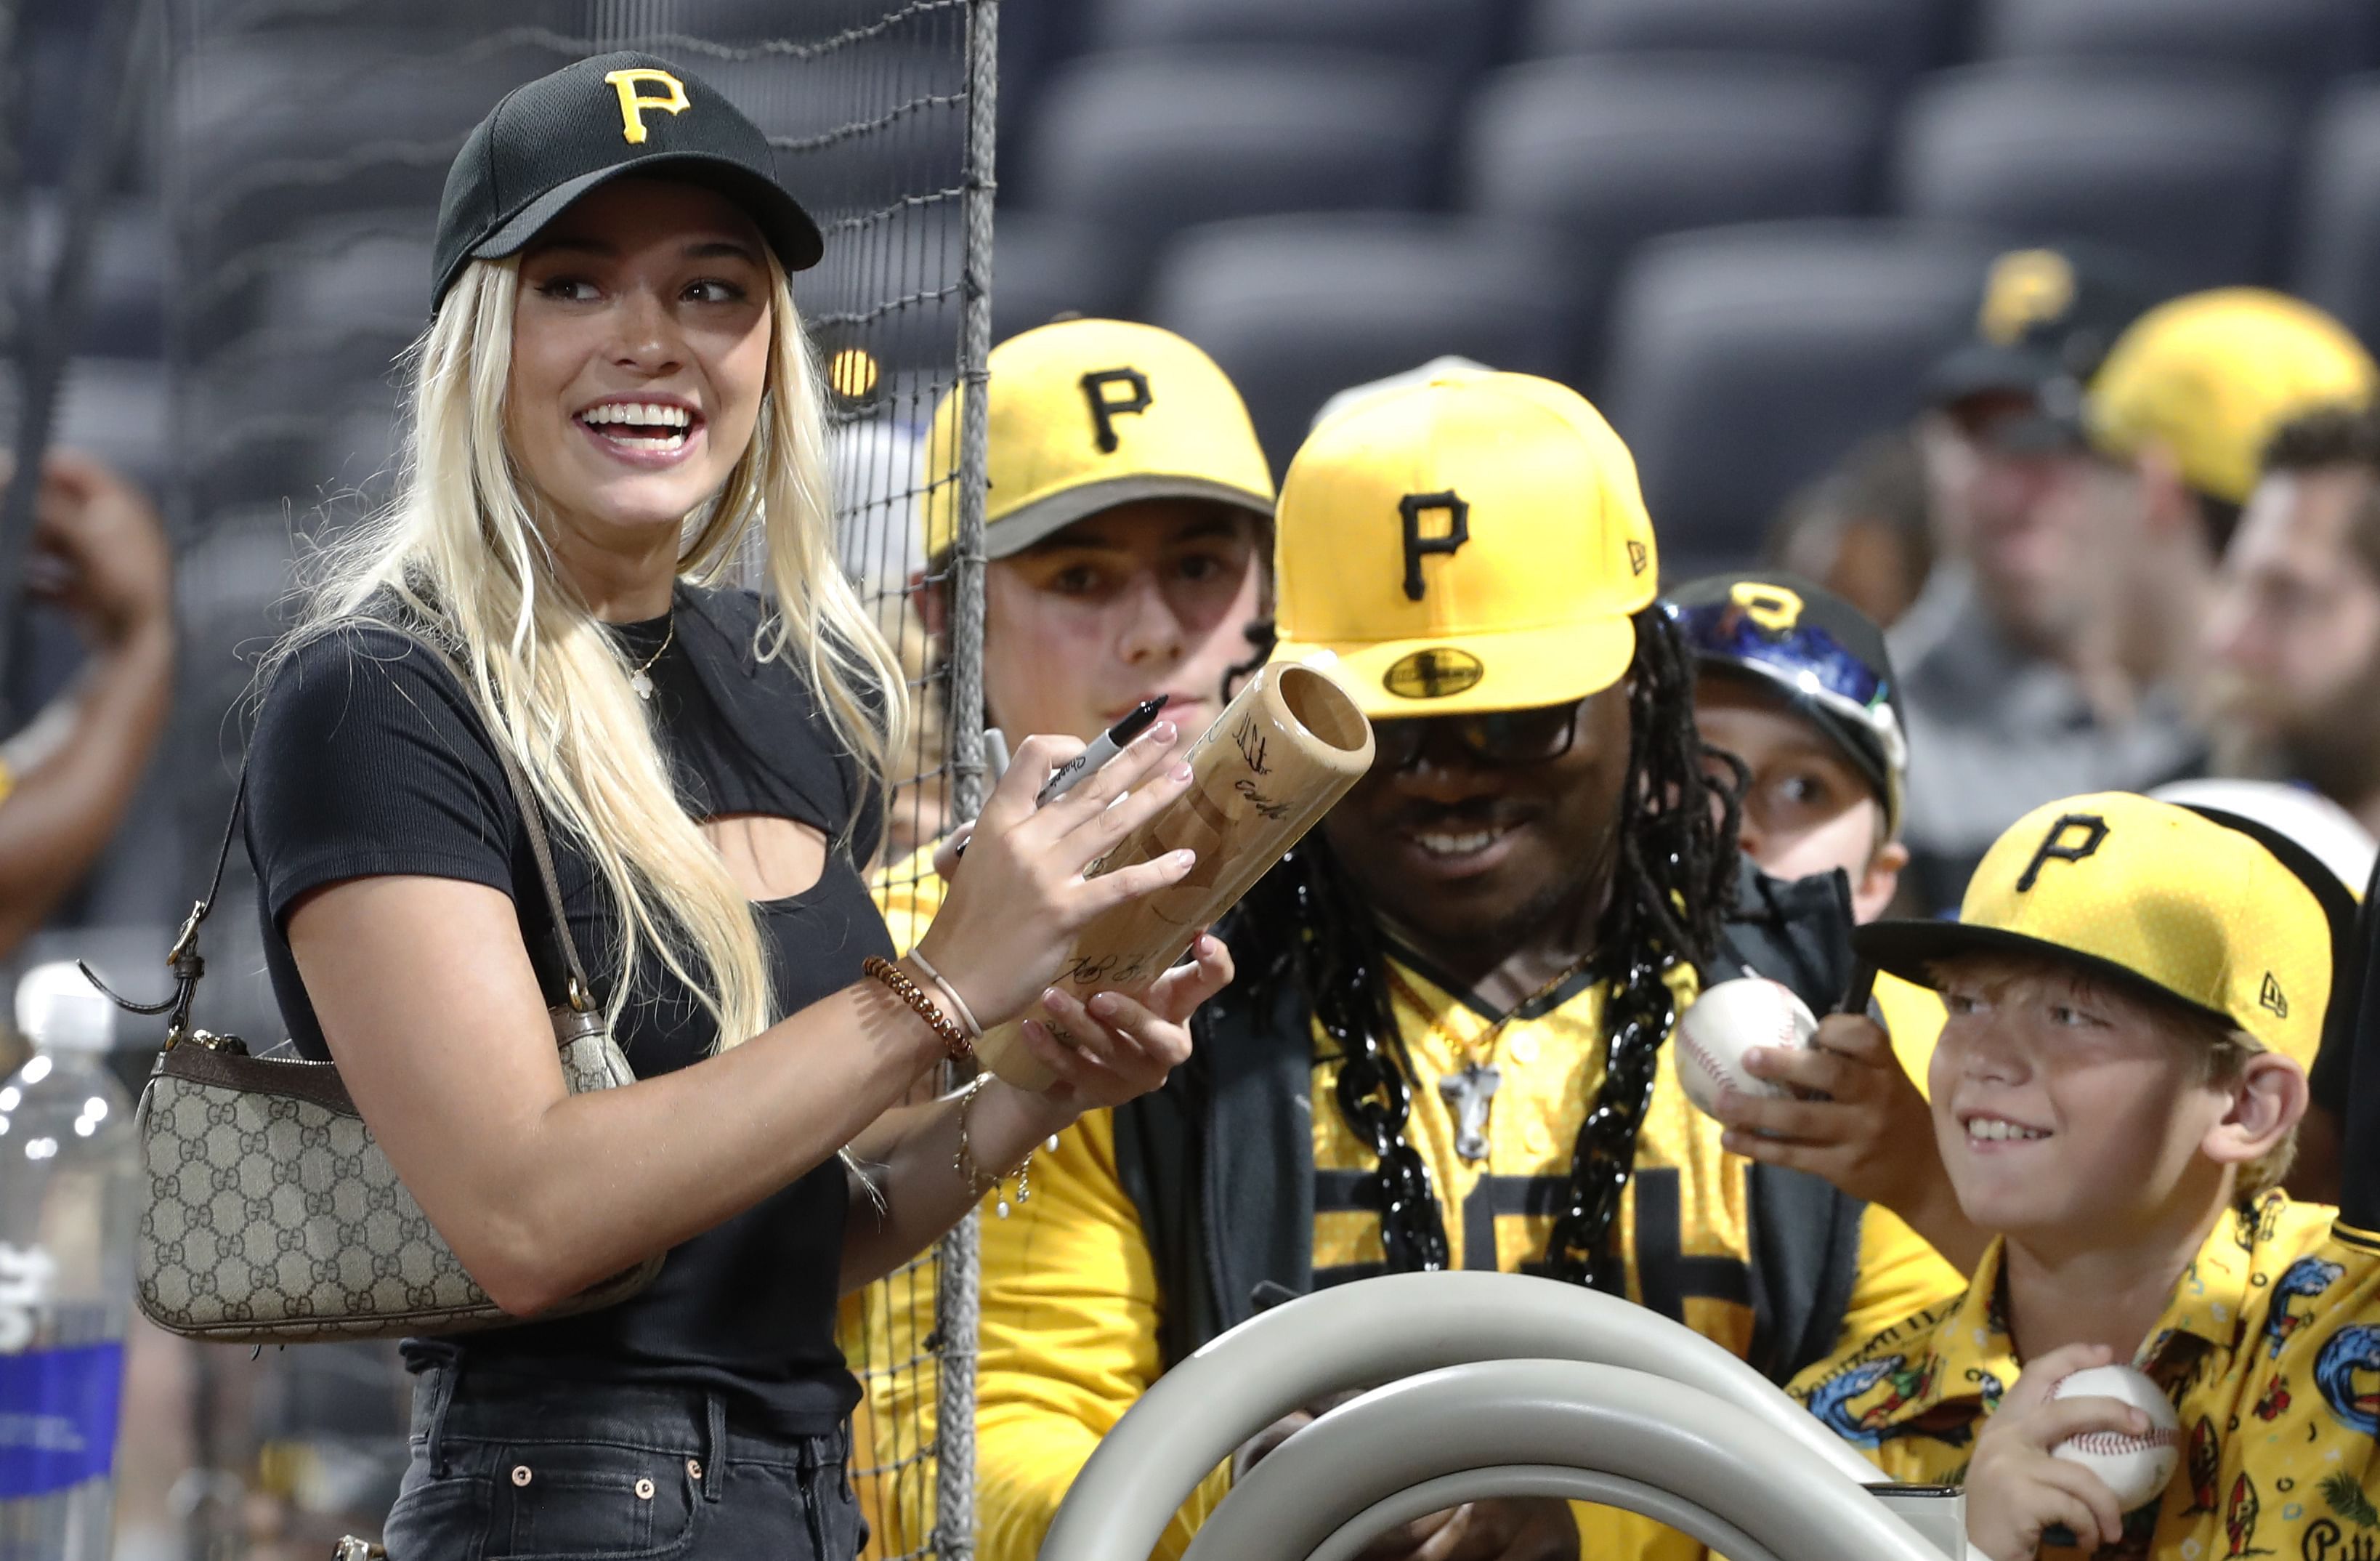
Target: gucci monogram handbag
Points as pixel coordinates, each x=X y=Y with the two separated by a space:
x=272 y=1215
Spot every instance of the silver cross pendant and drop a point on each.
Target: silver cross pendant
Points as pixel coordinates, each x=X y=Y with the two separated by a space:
x=1468 y=1093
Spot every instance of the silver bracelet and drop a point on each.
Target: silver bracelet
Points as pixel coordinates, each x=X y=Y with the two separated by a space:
x=959 y=1004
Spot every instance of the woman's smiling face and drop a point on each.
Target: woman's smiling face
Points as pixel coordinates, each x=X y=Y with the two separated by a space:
x=641 y=351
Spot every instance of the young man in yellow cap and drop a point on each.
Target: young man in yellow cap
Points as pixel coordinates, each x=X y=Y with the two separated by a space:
x=1455 y=994
x=2141 y=470
x=1127 y=532
x=2135 y=993
x=1126 y=526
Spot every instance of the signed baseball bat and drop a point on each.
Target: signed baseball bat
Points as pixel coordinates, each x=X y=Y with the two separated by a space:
x=1287 y=748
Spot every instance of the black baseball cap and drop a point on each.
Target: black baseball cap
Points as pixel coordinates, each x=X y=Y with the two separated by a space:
x=2048 y=316
x=1823 y=656
x=551 y=140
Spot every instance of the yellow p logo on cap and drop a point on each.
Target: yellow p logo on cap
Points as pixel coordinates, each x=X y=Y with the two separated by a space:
x=1773 y=607
x=633 y=103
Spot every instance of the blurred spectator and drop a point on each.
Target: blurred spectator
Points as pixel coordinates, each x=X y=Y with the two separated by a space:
x=1862 y=530
x=100 y=554
x=2295 y=630
x=2008 y=657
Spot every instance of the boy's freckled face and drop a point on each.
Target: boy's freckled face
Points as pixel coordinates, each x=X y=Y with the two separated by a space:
x=2063 y=1110
x=1807 y=808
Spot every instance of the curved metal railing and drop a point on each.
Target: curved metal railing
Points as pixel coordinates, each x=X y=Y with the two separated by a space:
x=1497 y=1385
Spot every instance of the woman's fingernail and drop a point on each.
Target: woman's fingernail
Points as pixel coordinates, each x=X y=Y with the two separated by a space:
x=1053 y=998
x=1186 y=859
x=1106 y=1006
x=1180 y=771
x=1163 y=733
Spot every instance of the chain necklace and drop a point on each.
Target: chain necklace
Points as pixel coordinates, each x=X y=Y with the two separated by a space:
x=1471 y=1088
x=1376 y=1099
x=640 y=678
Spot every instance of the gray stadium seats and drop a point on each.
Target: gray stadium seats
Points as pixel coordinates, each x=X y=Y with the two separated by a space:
x=1454 y=36
x=1892 y=39
x=2190 y=167
x=1297 y=307
x=1746 y=359
x=2300 y=42
x=1150 y=142
x=124 y=306
x=1618 y=147
x=2338 y=246
x=1043 y=266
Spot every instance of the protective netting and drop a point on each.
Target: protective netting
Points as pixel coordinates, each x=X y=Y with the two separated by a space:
x=305 y=146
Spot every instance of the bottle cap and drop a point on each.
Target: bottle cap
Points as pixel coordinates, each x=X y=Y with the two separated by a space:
x=59 y=1010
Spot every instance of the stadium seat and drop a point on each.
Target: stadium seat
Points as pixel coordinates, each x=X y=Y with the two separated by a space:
x=1618 y=147
x=1154 y=141
x=2338 y=246
x=2187 y=166
x=1452 y=36
x=1746 y=359
x=2304 y=42
x=1296 y=308
x=124 y=306
x=1890 y=39
x=1044 y=266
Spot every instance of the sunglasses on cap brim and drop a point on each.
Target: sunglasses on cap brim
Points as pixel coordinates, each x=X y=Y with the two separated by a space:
x=1805 y=660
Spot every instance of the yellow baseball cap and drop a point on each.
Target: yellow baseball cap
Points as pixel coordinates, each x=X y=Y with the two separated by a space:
x=1476 y=543
x=2213 y=375
x=2151 y=893
x=1087 y=414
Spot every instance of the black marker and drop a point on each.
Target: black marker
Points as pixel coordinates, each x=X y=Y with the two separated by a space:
x=1104 y=746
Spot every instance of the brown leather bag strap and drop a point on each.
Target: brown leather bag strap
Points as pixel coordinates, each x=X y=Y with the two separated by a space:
x=582 y=990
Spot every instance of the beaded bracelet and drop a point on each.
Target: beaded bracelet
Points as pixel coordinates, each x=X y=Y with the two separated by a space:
x=953 y=1039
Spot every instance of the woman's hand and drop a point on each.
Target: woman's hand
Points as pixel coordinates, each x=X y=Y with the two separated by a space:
x=1122 y=1048
x=1012 y=916
x=2015 y=1489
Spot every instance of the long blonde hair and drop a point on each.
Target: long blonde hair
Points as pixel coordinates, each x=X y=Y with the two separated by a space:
x=460 y=551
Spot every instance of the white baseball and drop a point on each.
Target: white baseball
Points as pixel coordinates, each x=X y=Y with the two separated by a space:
x=1728 y=1020
x=2134 y=1467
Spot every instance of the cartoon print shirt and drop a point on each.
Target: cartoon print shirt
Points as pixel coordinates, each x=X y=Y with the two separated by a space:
x=2270 y=1349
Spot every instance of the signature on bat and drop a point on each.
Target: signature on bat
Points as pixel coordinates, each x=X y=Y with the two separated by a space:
x=1251 y=739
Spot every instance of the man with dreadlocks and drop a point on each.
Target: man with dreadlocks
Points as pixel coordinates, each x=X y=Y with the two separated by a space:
x=1454 y=996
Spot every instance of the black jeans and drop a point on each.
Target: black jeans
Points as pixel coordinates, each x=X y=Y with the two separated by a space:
x=513 y=1469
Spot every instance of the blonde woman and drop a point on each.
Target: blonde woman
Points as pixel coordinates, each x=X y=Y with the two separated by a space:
x=614 y=389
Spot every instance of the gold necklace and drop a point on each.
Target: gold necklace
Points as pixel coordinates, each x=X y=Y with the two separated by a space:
x=641 y=679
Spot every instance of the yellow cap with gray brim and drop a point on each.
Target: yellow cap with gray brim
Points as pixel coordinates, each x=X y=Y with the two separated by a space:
x=1084 y=415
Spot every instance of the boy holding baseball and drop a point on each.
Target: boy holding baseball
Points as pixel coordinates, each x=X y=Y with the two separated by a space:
x=2134 y=994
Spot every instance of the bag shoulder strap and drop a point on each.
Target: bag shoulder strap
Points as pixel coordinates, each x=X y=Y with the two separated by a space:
x=189 y=966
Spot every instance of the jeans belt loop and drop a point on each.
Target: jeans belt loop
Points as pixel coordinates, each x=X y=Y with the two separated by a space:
x=441 y=1386
x=714 y=1458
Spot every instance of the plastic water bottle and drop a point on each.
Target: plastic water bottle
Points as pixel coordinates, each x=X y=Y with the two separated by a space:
x=69 y=1203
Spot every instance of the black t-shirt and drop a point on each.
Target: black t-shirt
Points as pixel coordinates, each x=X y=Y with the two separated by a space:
x=368 y=760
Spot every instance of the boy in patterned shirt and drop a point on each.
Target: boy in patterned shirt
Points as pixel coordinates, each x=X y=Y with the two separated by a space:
x=2134 y=992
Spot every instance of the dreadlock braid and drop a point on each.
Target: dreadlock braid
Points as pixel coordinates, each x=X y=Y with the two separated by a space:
x=1674 y=881
x=1671 y=891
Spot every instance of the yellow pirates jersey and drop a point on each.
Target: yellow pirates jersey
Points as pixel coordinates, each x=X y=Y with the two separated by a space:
x=1683 y=1223
x=2269 y=1349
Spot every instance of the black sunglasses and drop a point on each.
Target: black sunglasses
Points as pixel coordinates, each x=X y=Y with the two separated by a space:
x=1502 y=739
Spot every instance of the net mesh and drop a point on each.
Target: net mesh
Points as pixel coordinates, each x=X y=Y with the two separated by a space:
x=304 y=148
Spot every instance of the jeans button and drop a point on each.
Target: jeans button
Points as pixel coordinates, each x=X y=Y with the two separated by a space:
x=520 y=1474
x=694 y=1469
x=644 y=1490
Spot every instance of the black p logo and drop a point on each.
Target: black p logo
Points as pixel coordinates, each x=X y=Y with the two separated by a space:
x=1412 y=506
x=1104 y=410
x=2056 y=847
